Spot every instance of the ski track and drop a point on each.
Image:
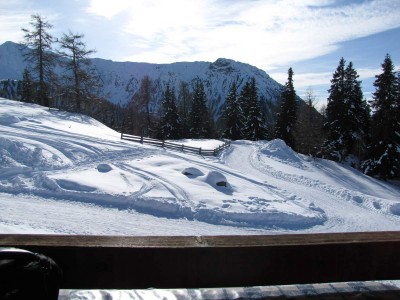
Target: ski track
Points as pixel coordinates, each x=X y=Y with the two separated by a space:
x=343 y=194
x=322 y=194
x=178 y=192
x=48 y=216
x=215 y=165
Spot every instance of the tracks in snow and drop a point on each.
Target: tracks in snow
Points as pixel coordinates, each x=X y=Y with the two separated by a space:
x=342 y=215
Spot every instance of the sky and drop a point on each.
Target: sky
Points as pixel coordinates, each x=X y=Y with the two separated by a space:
x=308 y=35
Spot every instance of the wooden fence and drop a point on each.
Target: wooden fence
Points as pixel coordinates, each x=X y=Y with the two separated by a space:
x=121 y=262
x=175 y=146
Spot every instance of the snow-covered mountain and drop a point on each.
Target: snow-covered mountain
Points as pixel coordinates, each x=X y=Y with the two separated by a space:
x=122 y=79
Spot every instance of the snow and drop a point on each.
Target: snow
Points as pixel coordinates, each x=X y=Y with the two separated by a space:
x=197 y=143
x=65 y=173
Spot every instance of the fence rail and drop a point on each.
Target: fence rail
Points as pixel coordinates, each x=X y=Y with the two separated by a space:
x=175 y=146
x=121 y=262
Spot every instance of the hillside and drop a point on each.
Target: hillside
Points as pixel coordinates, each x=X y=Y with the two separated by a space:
x=67 y=173
x=122 y=79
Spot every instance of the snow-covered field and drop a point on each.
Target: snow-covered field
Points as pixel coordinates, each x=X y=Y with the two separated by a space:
x=69 y=174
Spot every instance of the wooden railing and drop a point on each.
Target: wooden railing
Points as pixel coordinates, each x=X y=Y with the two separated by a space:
x=180 y=147
x=120 y=262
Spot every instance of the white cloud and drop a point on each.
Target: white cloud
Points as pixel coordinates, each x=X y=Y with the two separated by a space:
x=263 y=33
x=16 y=15
x=107 y=8
x=11 y=27
x=11 y=23
x=268 y=34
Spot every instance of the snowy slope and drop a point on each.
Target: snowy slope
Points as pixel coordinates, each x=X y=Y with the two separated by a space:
x=122 y=79
x=66 y=173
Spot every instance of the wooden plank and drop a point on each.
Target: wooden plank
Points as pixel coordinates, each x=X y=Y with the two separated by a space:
x=199 y=241
x=146 y=139
x=216 y=261
x=173 y=147
x=152 y=143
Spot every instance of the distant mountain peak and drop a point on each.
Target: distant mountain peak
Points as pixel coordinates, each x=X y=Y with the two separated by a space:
x=223 y=65
x=121 y=80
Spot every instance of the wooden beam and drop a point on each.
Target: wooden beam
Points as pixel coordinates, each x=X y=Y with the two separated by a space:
x=122 y=262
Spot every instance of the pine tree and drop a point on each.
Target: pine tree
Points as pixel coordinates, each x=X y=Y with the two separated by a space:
x=79 y=79
x=287 y=117
x=142 y=101
x=199 y=116
x=356 y=115
x=184 y=107
x=233 y=115
x=347 y=116
x=254 y=128
x=28 y=87
x=384 y=151
x=334 y=145
x=170 y=122
x=39 y=40
x=308 y=129
x=244 y=102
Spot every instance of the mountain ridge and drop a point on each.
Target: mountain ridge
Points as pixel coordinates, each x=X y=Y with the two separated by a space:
x=121 y=80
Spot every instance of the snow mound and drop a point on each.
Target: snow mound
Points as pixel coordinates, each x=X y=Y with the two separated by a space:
x=279 y=151
x=9 y=119
x=17 y=154
x=74 y=186
x=216 y=179
x=192 y=172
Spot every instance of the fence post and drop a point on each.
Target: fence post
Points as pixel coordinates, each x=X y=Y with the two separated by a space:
x=122 y=136
x=163 y=143
x=200 y=150
x=141 y=139
x=182 y=148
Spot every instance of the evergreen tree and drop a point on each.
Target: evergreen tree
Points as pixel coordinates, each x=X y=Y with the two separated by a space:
x=244 y=101
x=254 y=128
x=233 y=115
x=347 y=116
x=28 y=87
x=199 y=116
x=184 y=107
x=287 y=117
x=170 y=122
x=80 y=80
x=39 y=40
x=334 y=145
x=384 y=151
x=308 y=129
x=356 y=115
x=142 y=100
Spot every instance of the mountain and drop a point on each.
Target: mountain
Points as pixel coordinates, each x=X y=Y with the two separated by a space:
x=122 y=79
x=11 y=61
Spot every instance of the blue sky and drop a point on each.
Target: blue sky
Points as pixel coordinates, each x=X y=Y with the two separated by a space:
x=308 y=35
